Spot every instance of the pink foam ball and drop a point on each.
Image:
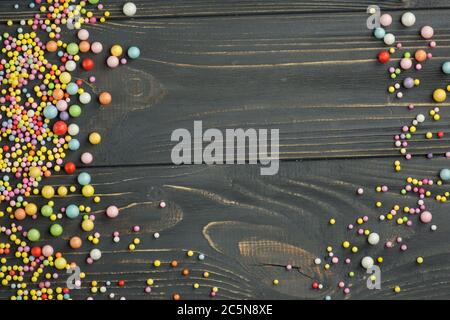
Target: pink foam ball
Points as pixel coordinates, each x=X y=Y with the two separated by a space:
x=112 y=62
x=83 y=34
x=427 y=32
x=96 y=47
x=47 y=251
x=406 y=63
x=386 y=20
x=426 y=217
x=87 y=158
x=112 y=212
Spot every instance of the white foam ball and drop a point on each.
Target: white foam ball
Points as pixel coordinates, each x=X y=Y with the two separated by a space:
x=373 y=238
x=389 y=39
x=129 y=9
x=367 y=262
x=73 y=129
x=408 y=19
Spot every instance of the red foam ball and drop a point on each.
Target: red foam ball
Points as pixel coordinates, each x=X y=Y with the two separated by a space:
x=70 y=167
x=60 y=128
x=384 y=56
x=87 y=64
x=36 y=252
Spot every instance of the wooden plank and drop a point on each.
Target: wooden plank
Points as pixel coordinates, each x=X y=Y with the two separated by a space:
x=250 y=226
x=317 y=82
x=196 y=8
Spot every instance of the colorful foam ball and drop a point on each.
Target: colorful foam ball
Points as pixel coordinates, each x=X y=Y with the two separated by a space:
x=72 y=211
x=95 y=138
x=33 y=235
x=112 y=212
x=75 y=111
x=84 y=178
x=87 y=158
x=135 y=52
x=50 y=112
x=73 y=129
x=105 y=98
x=48 y=192
x=46 y=211
x=444 y=174
x=72 y=49
x=384 y=56
x=379 y=33
x=446 y=67
x=87 y=191
x=70 y=167
x=60 y=128
x=56 y=230
x=439 y=95
x=74 y=144
x=60 y=263
x=88 y=64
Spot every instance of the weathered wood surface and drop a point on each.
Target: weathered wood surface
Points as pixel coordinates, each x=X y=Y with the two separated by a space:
x=307 y=69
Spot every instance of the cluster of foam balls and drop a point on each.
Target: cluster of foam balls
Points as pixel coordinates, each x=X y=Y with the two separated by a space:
x=39 y=99
x=423 y=189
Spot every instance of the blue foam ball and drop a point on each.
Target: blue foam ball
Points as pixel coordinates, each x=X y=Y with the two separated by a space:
x=445 y=174
x=84 y=178
x=379 y=33
x=72 y=211
x=74 y=144
x=50 y=112
x=446 y=67
x=134 y=52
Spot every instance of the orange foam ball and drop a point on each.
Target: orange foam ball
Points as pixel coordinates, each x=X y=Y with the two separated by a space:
x=51 y=46
x=84 y=46
x=420 y=55
x=20 y=214
x=105 y=98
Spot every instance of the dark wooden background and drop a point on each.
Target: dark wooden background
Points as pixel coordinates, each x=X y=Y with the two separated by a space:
x=305 y=67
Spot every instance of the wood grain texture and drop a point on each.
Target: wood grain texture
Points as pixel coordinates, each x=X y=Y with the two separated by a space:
x=305 y=67
x=249 y=227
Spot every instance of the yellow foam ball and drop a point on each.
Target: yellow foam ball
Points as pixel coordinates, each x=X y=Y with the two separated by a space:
x=31 y=209
x=35 y=172
x=95 y=138
x=87 y=225
x=116 y=50
x=439 y=95
x=65 y=77
x=48 y=192
x=60 y=263
x=88 y=191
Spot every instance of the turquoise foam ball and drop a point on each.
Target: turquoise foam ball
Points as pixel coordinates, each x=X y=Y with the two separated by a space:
x=72 y=88
x=72 y=211
x=84 y=178
x=50 y=112
x=74 y=144
x=446 y=67
x=134 y=52
x=379 y=33
x=445 y=174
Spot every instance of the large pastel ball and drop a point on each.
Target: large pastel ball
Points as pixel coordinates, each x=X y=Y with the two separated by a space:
x=439 y=95
x=72 y=211
x=113 y=62
x=444 y=174
x=56 y=230
x=84 y=178
x=405 y=63
x=408 y=83
x=72 y=88
x=129 y=9
x=135 y=52
x=33 y=235
x=427 y=32
x=85 y=98
x=446 y=67
x=95 y=254
x=373 y=238
x=112 y=212
x=71 y=65
x=74 y=144
x=46 y=210
x=35 y=172
x=378 y=33
x=31 y=209
x=420 y=55
x=408 y=19
x=60 y=263
x=367 y=262
x=88 y=191
x=83 y=34
x=20 y=214
x=50 y=112
x=87 y=158
x=96 y=47
x=72 y=49
x=47 y=251
x=48 y=192
x=87 y=225
x=95 y=138
x=105 y=98
x=116 y=50
x=386 y=20
x=389 y=39
x=426 y=217
x=75 y=242
x=73 y=129
x=65 y=77
x=75 y=111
